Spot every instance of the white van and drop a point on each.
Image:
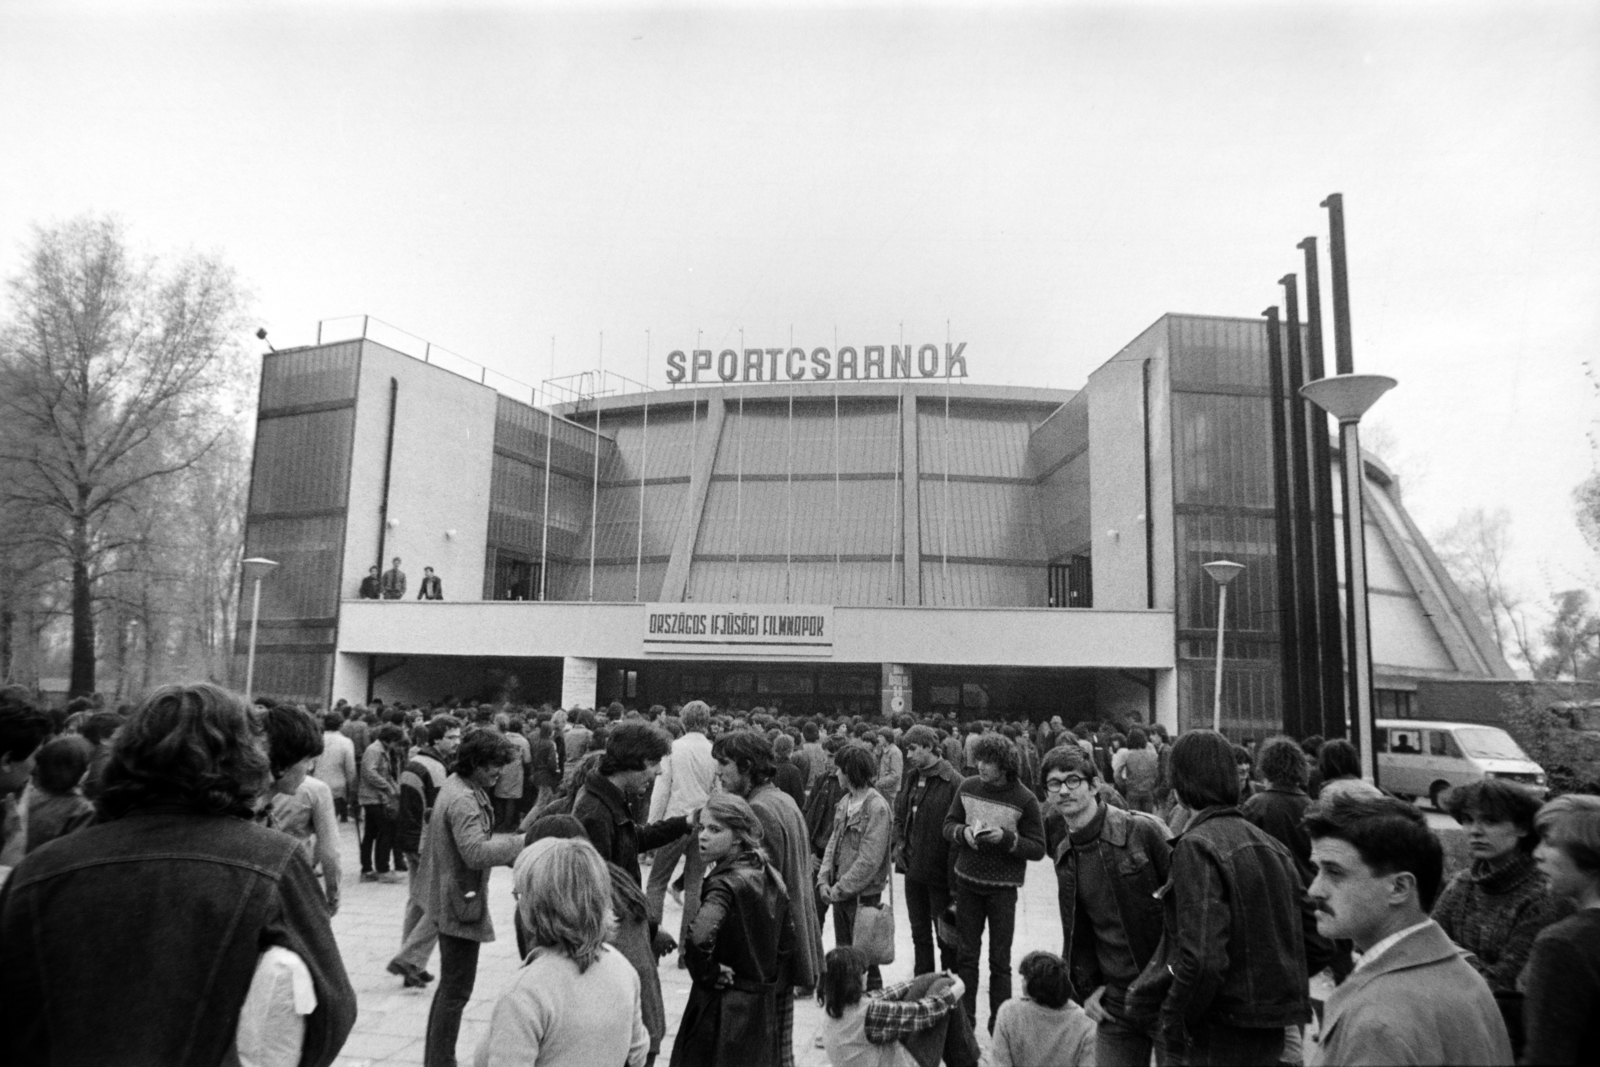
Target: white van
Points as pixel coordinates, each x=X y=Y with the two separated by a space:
x=1418 y=758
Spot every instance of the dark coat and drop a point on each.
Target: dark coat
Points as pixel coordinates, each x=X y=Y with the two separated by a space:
x=925 y=853
x=545 y=771
x=143 y=934
x=743 y=924
x=1237 y=927
x=819 y=810
x=1137 y=850
x=1279 y=812
x=603 y=811
x=792 y=780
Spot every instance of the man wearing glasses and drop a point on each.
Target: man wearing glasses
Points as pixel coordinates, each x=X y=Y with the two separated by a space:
x=1109 y=865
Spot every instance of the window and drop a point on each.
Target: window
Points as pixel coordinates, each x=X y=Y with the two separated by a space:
x=1396 y=703
x=1441 y=743
x=515 y=577
x=1071 y=584
x=1405 y=742
x=783 y=684
x=1489 y=742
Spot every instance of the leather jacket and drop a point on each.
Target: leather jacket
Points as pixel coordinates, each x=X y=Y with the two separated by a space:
x=1136 y=852
x=744 y=925
x=1236 y=931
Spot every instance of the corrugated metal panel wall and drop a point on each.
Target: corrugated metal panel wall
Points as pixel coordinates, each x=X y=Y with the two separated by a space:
x=628 y=566
x=799 y=506
x=778 y=525
x=982 y=540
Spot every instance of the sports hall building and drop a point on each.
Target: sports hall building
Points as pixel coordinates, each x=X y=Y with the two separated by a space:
x=895 y=539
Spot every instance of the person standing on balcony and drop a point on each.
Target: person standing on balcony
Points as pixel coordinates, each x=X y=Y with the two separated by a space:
x=393 y=583
x=432 y=588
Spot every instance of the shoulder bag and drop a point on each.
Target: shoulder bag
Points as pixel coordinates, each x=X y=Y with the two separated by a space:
x=873 y=931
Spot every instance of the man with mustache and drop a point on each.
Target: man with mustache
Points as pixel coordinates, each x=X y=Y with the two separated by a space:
x=1412 y=997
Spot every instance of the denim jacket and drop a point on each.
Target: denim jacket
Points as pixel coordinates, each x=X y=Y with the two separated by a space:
x=135 y=941
x=1234 y=950
x=1136 y=849
x=858 y=858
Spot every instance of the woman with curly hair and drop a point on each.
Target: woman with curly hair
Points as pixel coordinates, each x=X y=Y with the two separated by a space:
x=739 y=947
x=176 y=871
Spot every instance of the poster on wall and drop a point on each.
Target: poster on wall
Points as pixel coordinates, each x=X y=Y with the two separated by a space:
x=738 y=629
x=580 y=680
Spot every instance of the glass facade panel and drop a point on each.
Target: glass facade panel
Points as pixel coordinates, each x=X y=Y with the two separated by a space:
x=302 y=462
x=1223 y=450
x=1223 y=500
x=298 y=499
x=309 y=552
x=309 y=376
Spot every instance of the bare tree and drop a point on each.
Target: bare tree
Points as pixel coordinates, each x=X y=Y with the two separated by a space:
x=109 y=371
x=1572 y=639
x=1475 y=550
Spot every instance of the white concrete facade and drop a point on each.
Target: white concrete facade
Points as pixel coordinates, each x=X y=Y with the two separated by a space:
x=979 y=637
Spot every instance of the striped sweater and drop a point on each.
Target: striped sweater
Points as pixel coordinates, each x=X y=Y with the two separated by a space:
x=1011 y=807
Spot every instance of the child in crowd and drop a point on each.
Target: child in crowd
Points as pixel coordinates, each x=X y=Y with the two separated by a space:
x=56 y=804
x=1044 y=1026
x=863 y=1030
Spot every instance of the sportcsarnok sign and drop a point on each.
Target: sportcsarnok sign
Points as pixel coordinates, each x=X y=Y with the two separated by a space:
x=869 y=363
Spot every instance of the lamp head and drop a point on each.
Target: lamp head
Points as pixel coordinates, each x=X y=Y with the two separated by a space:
x=1347 y=396
x=1222 y=571
x=258 y=568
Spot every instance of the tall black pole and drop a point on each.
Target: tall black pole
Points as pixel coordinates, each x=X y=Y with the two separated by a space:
x=1342 y=361
x=1305 y=573
x=1344 y=364
x=1282 y=513
x=1330 y=623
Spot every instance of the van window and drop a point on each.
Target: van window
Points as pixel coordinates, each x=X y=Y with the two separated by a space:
x=1380 y=740
x=1489 y=742
x=1406 y=742
x=1439 y=744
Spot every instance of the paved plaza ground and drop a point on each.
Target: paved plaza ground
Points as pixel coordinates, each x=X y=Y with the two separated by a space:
x=390 y=1026
x=392 y=1019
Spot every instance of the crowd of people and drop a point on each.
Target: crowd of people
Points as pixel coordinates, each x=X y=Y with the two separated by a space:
x=171 y=870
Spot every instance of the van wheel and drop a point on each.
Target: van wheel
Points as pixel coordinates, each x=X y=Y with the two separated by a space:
x=1435 y=793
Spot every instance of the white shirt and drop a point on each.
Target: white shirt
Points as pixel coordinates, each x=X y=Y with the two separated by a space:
x=1386 y=944
x=685 y=779
x=337 y=764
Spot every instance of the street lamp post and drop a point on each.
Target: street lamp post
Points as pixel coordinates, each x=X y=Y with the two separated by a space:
x=1347 y=397
x=1222 y=572
x=254 y=570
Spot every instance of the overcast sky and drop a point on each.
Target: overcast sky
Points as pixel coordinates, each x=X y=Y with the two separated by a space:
x=1046 y=179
